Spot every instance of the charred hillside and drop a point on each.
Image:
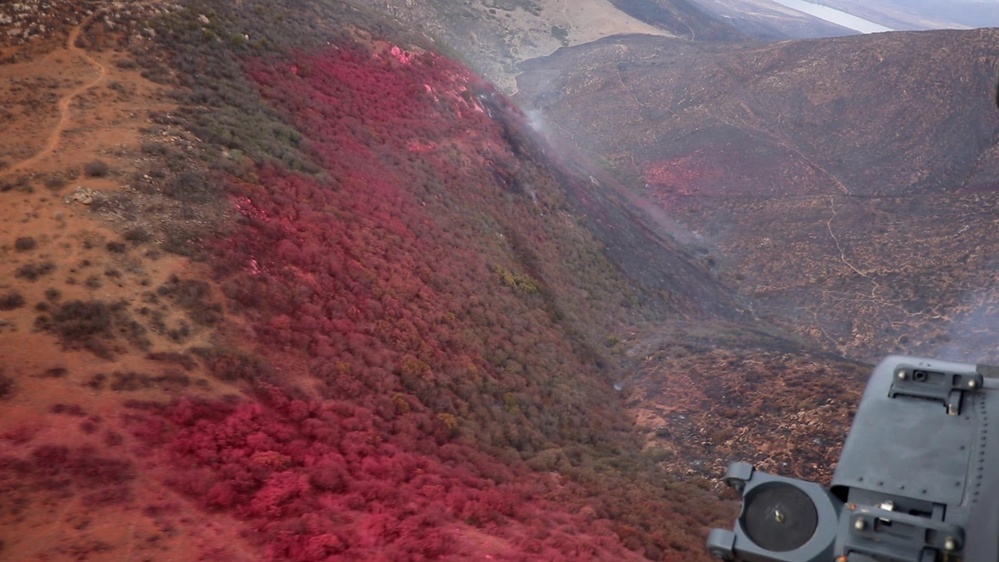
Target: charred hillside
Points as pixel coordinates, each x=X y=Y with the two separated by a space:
x=847 y=184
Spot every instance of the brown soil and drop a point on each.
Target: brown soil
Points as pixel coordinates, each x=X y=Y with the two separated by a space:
x=55 y=134
x=71 y=110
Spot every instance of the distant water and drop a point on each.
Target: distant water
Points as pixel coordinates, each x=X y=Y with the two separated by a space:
x=833 y=15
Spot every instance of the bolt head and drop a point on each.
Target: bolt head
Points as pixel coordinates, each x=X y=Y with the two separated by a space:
x=859 y=524
x=950 y=545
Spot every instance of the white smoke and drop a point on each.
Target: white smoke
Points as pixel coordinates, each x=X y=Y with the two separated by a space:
x=535 y=118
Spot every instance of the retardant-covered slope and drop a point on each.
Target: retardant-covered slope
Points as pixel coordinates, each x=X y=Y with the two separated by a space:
x=383 y=331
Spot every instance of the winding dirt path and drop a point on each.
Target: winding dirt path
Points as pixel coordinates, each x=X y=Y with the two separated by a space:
x=64 y=104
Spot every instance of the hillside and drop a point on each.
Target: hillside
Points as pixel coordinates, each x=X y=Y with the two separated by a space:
x=494 y=37
x=845 y=186
x=287 y=283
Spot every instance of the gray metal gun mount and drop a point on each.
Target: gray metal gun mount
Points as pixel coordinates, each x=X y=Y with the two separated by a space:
x=917 y=481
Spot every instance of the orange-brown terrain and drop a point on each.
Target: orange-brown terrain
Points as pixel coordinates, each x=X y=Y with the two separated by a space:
x=73 y=286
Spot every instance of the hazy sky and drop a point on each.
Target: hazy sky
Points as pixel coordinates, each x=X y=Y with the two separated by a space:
x=926 y=13
x=833 y=15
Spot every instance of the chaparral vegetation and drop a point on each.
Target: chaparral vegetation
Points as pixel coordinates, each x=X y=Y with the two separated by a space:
x=346 y=304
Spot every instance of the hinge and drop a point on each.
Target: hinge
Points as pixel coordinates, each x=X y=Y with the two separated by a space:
x=947 y=387
x=885 y=534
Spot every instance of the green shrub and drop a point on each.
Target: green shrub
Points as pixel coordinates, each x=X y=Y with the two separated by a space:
x=24 y=243
x=6 y=385
x=33 y=271
x=11 y=300
x=96 y=169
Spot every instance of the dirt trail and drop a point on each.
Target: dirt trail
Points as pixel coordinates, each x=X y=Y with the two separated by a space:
x=71 y=105
x=66 y=101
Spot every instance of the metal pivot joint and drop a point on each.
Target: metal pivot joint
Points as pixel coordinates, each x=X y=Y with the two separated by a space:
x=947 y=387
x=914 y=483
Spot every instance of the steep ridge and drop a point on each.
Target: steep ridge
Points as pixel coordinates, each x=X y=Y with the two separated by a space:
x=349 y=310
x=845 y=184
